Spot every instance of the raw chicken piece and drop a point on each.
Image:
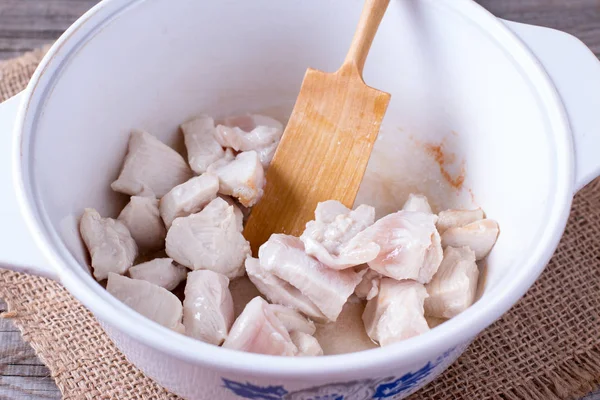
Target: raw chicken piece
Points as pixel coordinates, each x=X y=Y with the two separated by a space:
x=327 y=237
x=251 y=132
x=242 y=178
x=109 y=242
x=162 y=272
x=151 y=168
x=452 y=289
x=247 y=122
x=347 y=334
x=292 y=320
x=397 y=312
x=210 y=239
x=240 y=215
x=279 y=291
x=258 y=330
x=188 y=198
x=141 y=217
x=208 y=307
x=408 y=242
x=480 y=236
x=201 y=143
x=153 y=302
x=417 y=202
x=369 y=286
x=328 y=289
x=457 y=218
x=307 y=344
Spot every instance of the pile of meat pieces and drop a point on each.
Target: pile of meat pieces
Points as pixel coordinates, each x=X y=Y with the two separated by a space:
x=414 y=268
x=186 y=217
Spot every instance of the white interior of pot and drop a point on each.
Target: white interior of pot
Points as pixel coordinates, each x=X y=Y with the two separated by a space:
x=454 y=91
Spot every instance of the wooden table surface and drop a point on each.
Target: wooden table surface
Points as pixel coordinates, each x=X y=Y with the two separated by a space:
x=28 y=24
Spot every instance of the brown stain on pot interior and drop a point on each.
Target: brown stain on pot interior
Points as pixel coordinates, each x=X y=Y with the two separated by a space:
x=443 y=159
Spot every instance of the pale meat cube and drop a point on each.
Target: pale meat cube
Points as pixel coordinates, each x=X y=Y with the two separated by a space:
x=207 y=307
x=202 y=146
x=328 y=236
x=347 y=334
x=162 y=272
x=142 y=218
x=188 y=198
x=242 y=178
x=292 y=320
x=480 y=236
x=408 y=242
x=307 y=345
x=251 y=132
x=452 y=289
x=109 y=243
x=210 y=239
x=281 y=292
x=397 y=312
x=369 y=285
x=247 y=122
x=241 y=212
x=151 y=168
x=258 y=330
x=153 y=302
x=456 y=218
x=417 y=202
x=328 y=289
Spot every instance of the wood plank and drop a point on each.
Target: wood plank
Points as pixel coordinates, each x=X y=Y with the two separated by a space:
x=22 y=375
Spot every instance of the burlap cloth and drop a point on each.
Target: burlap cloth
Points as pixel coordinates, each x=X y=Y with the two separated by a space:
x=547 y=347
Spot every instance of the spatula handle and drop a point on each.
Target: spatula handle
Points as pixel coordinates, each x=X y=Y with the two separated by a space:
x=370 y=18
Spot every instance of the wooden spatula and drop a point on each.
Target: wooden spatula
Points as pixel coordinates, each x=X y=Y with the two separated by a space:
x=327 y=143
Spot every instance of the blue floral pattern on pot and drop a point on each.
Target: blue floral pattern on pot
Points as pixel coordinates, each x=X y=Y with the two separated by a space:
x=366 y=389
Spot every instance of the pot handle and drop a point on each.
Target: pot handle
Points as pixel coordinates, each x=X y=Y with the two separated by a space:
x=575 y=71
x=18 y=250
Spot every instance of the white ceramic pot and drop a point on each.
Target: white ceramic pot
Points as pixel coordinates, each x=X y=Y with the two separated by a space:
x=514 y=106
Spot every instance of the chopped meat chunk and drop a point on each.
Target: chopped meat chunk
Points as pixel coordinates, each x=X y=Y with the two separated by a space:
x=202 y=146
x=397 y=312
x=151 y=168
x=162 y=272
x=369 y=286
x=142 y=218
x=452 y=289
x=242 y=178
x=284 y=257
x=328 y=237
x=241 y=212
x=109 y=242
x=188 y=198
x=208 y=307
x=480 y=236
x=258 y=330
x=409 y=245
x=457 y=218
x=210 y=239
x=251 y=132
x=417 y=202
x=153 y=302
x=307 y=344
x=281 y=292
x=242 y=290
